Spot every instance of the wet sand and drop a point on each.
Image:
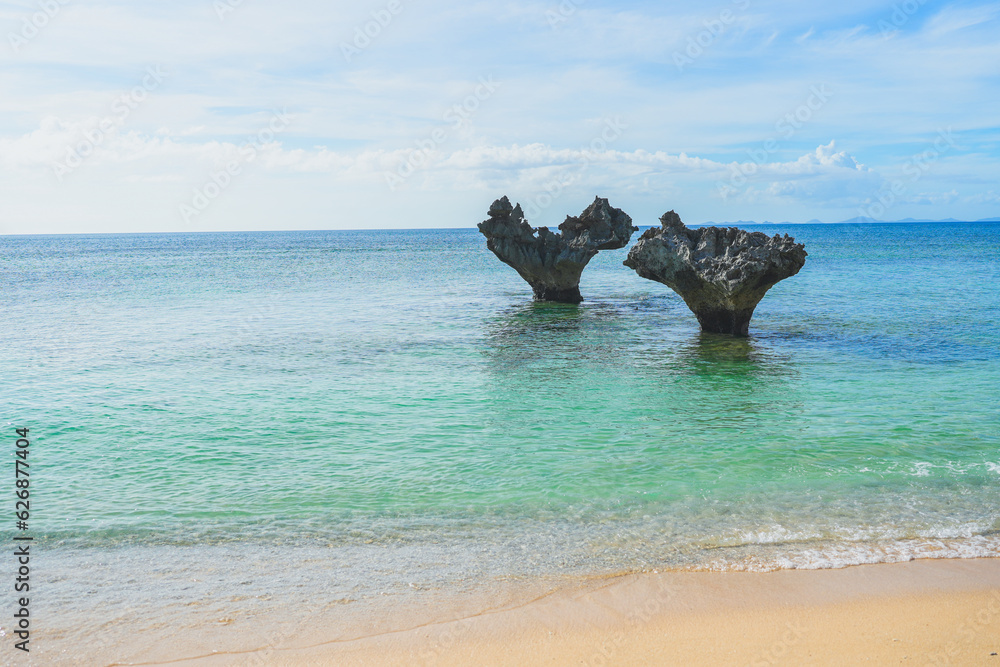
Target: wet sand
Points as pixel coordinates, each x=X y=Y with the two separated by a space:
x=927 y=612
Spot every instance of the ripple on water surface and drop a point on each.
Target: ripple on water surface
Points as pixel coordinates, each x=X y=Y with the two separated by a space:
x=393 y=400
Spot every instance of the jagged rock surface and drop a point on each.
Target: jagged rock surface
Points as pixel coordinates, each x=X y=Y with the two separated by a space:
x=722 y=273
x=552 y=263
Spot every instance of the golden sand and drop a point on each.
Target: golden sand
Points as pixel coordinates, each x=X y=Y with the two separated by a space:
x=929 y=612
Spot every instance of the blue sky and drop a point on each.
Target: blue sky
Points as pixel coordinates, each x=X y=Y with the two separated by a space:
x=248 y=115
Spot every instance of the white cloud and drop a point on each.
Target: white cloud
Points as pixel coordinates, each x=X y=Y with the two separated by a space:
x=954 y=18
x=354 y=121
x=54 y=137
x=988 y=197
x=926 y=198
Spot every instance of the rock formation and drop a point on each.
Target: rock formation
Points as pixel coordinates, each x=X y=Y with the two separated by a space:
x=552 y=263
x=720 y=272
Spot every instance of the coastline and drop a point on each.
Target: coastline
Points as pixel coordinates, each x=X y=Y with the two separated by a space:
x=925 y=612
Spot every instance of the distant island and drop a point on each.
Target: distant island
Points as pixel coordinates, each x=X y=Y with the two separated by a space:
x=859 y=220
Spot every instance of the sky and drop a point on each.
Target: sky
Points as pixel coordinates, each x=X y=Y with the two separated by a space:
x=218 y=115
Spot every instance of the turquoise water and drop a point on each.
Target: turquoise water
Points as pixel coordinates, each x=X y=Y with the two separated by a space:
x=396 y=396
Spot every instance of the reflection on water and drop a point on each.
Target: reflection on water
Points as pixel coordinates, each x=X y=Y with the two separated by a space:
x=707 y=384
x=554 y=337
x=536 y=318
x=615 y=370
x=709 y=354
x=720 y=348
x=549 y=333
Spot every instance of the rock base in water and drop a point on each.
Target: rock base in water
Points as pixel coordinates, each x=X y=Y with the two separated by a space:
x=722 y=273
x=552 y=263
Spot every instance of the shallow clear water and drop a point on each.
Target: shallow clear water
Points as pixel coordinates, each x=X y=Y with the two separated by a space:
x=374 y=396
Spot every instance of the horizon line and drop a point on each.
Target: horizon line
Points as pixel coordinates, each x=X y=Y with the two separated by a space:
x=852 y=221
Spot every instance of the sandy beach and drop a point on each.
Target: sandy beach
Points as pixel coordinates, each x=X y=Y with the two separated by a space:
x=927 y=612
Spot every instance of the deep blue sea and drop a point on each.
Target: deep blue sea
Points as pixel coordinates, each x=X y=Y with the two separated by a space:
x=392 y=412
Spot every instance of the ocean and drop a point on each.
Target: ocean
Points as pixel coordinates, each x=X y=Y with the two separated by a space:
x=228 y=424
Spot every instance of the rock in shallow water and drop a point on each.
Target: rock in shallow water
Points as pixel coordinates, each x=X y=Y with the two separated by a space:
x=722 y=273
x=552 y=263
